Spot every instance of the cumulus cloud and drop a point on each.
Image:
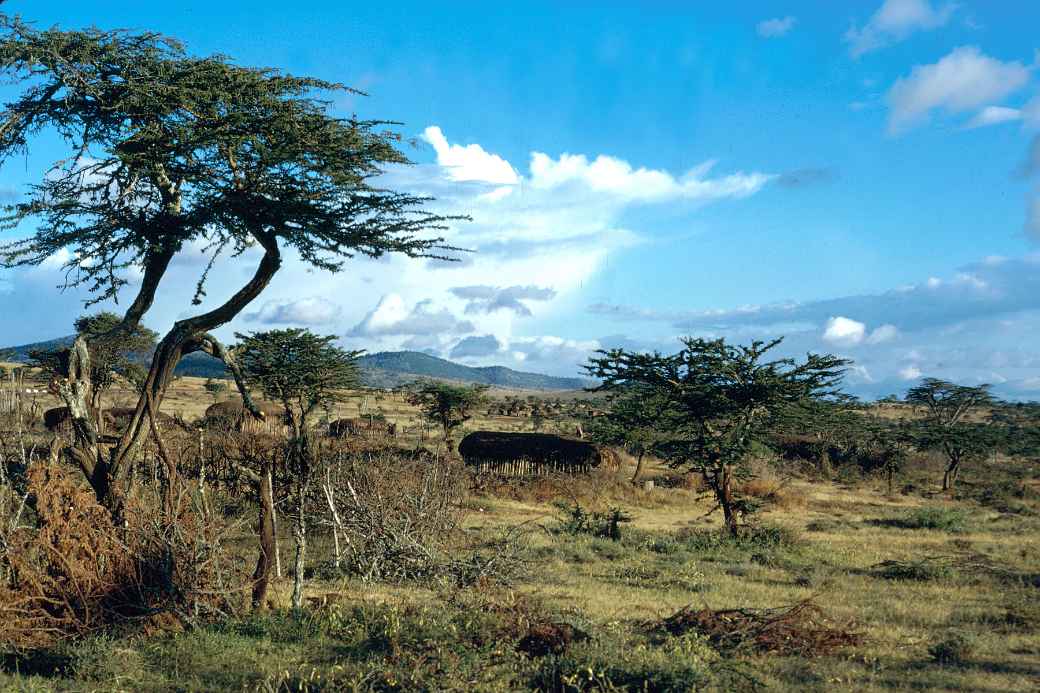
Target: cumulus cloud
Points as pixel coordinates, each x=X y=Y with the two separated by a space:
x=476 y=347
x=609 y=175
x=894 y=21
x=842 y=331
x=469 y=162
x=883 y=334
x=776 y=27
x=994 y=115
x=305 y=311
x=962 y=80
x=554 y=354
x=488 y=299
x=910 y=372
x=393 y=317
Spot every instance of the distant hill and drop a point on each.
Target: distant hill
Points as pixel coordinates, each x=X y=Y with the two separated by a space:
x=383 y=369
x=405 y=366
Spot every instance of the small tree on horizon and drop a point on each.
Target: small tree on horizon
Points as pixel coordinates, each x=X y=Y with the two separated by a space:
x=719 y=398
x=215 y=388
x=636 y=420
x=110 y=356
x=448 y=406
x=945 y=427
x=303 y=372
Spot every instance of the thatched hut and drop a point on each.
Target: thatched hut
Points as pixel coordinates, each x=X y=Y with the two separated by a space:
x=58 y=420
x=341 y=428
x=233 y=415
x=524 y=454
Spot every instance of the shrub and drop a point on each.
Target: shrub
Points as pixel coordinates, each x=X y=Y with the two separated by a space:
x=773 y=493
x=921 y=571
x=74 y=572
x=936 y=517
x=955 y=649
x=396 y=514
x=574 y=520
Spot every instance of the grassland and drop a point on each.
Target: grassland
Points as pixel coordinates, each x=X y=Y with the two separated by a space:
x=943 y=592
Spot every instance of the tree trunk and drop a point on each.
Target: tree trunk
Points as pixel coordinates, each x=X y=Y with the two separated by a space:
x=639 y=467
x=262 y=574
x=724 y=492
x=950 y=475
x=300 y=531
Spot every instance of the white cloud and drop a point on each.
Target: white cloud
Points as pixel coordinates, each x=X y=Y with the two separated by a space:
x=305 y=311
x=488 y=299
x=606 y=174
x=910 y=373
x=844 y=331
x=883 y=334
x=393 y=317
x=469 y=162
x=776 y=27
x=994 y=115
x=476 y=347
x=894 y=21
x=962 y=80
x=1031 y=113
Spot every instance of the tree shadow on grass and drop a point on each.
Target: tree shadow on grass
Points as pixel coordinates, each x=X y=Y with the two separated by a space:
x=45 y=663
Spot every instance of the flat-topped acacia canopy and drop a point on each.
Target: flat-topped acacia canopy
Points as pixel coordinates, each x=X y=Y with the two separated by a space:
x=166 y=149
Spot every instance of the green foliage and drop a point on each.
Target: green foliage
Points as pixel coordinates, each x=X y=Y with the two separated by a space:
x=937 y=517
x=925 y=570
x=112 y=352
x=170 y=148
x=955 y=649
x=459 y=643
x=945 y=426
x=636 y=418
x=714 y=401
x=449 y=406
x=575 y=519
x=215 y=388
x=297 y=368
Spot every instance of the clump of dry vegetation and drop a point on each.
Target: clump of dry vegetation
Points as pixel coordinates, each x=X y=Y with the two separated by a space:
x=802 y=630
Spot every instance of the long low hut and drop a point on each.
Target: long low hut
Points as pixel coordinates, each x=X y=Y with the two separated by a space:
x=529 y=454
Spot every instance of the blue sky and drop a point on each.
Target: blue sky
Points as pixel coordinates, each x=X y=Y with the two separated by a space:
x=863 y=177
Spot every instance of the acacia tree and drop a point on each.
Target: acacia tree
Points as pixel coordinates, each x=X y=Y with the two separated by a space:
x=947 y=406
x=110 y=356
x=719 y=399
x=165 y=152
x=449 y=406
x=301 y=371
x=637 y=419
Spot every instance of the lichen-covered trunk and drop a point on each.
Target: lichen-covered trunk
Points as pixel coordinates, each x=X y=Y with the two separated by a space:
x=265 y=529
x=300 y=531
